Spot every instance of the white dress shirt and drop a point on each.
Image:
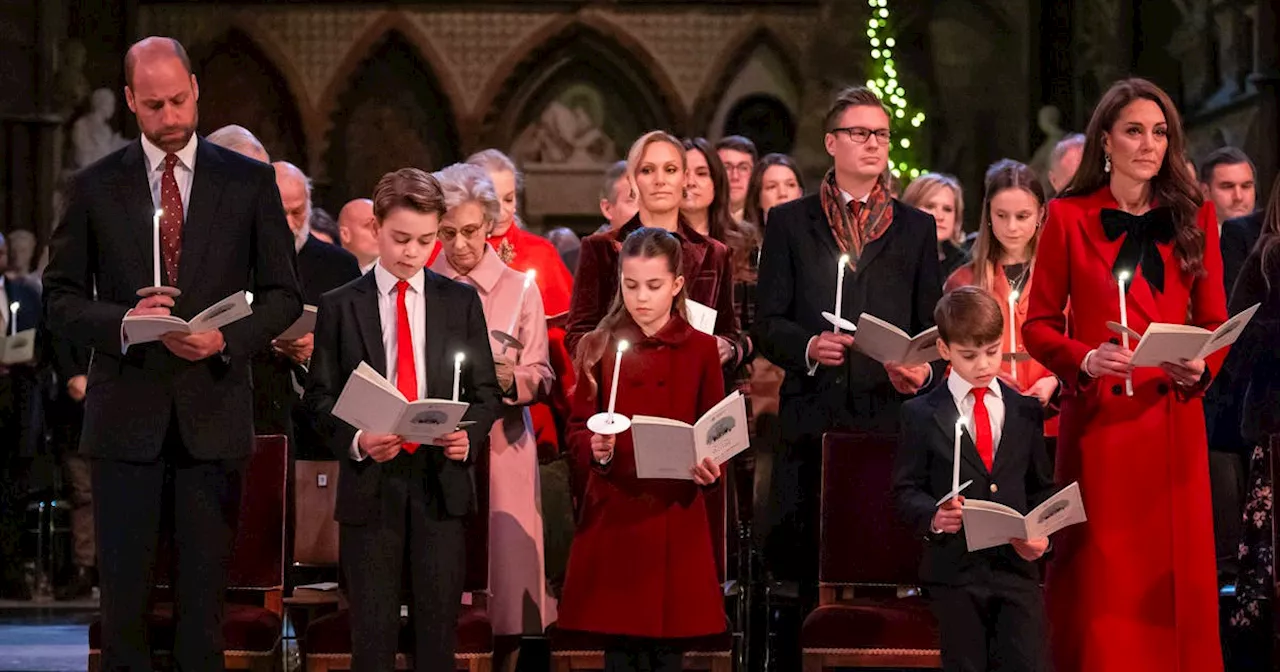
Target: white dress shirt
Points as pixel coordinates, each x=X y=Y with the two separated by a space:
x=416 y=306
x=183 y=172
x=994 y=401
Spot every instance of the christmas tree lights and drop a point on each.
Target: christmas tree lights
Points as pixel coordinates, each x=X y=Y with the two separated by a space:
x=883 y=80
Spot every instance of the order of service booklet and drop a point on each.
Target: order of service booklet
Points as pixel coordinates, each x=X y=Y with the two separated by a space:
x=1166 y=342
x=989 y=524
x=885 y=342
x=305 y=324
x=666 y=448
x=18 y=348
x=147 y=328
x=371 y=403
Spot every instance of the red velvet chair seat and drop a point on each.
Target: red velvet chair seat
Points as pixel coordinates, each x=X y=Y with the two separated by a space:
x=245 y=627
x=331 y=634
x=572 y=640
x=904 y=623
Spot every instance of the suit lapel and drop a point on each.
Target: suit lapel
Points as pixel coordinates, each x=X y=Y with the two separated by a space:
x=370 y=323
x=201 y=215
x=1014 y=429
x=135 y=188
x=945 y=414
x=439 y=365
x=820 y=229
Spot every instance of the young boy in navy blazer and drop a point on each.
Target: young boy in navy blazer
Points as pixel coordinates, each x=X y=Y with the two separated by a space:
x=401 y=506
x=988 y=603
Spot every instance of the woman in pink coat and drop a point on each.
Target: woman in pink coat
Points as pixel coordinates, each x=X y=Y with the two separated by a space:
x=517 y=578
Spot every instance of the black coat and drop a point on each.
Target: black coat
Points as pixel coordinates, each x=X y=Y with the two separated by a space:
x=1255 y=357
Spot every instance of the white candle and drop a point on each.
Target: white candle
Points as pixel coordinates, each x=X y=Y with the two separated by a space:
x=844 y=261
x=1123 y=277
x=155 y=245
x=13 y=318
x=528 y=280
x=1013 y=333
x=457 y=373
x=617 y=367
x=955 y=463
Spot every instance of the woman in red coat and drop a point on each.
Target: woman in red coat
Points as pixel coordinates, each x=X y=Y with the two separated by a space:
x=642 y=568
x=1133 y=589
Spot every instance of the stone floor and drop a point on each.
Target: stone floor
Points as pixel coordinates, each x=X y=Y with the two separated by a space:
x=44 y=638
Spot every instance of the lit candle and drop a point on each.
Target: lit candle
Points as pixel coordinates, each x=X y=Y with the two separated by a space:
x=457 y=373
x=155 y=245
x=528 y=280
x=617 y=368
x=844 y=261
x=1013 y=333
x=13 y=318
x=1123 y=277
x=955 y=462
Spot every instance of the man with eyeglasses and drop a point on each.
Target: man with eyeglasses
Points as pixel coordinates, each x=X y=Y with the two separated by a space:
x=739 y=155
x=892 y=273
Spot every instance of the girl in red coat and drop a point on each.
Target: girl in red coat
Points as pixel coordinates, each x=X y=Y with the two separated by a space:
x=1003 y=256
x=1134 y=589
x=642 y=569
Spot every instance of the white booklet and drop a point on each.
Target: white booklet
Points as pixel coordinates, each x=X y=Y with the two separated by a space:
x=701 y=317
x=371 y=403
x=18 y=348
x=666 y=448
x=1165 y=342
x=988 y=524
x=305 y=324
x=885 y=342
x=147 y=328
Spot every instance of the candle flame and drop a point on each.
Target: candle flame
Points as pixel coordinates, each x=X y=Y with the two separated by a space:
x=459 y=357
x=529 y=275
x=1123 y=275
x=623 y=345
x=13 y=307
x=961 y=424
x=1013 y=296
x=844 y=259
x=159 y=213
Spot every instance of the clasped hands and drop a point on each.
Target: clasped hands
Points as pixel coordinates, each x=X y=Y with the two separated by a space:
x=828 y=349
x=1115 y=360
x=704 y=473
x=949 y=518
x=383 y=447
x=191 y=347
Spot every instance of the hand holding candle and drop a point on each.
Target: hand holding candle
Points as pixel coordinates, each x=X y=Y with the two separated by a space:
x=457 y=373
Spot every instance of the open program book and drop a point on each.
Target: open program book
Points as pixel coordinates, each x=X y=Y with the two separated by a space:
x=19 y=348
x=371 y=403
x=147 y=328
x=988 y=524
x=885 y=342
x=305 y=324
x=1165 y=342
x=666 y=448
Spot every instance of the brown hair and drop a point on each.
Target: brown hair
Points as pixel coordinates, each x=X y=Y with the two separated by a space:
x=1174 y=186
x=854 y=96
x=738 y=143
x=720 y=223
x=647 y=242
x=408 y=188
x=1224 y=156
x=987 y=250
x=968 y=315
x=753 y=212
x=921 y=188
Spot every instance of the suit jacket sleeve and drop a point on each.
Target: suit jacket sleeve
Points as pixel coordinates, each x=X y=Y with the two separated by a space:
x=587 y=306
x=484 y=397
x=1044 y=330
x=73 y=312
x=911 y=464
x=326 y=381
x=277 y=298
x=782 y=340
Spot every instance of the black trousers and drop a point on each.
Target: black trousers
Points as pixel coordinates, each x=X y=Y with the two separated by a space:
x=636 y=654
x=130 y=498
x=997 y=625
x=411 y=537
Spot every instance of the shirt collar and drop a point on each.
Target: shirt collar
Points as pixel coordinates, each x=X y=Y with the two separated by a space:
x=960 y=388
x=485 y=275
x=846 y=197
x=155 y=155
x=387 y=281
x=369 y=266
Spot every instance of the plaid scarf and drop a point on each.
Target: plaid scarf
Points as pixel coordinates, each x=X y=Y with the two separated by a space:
x=854 y=232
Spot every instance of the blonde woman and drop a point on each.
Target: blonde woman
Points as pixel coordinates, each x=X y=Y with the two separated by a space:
x=940 y=195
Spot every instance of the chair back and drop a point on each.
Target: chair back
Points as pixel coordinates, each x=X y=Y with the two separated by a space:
x=315 y=532
x=257 y=557
x=862 y=540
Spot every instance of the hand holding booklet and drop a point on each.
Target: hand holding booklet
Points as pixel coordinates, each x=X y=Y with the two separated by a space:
x=1165 y=342
x=147 y=328
x=305 y=324
x=989 y=524
x=885 y=342
x=666 y=448
x=371 y=403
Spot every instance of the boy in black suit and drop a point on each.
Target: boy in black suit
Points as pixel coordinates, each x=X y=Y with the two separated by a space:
x=404 y=503
x=988 y=603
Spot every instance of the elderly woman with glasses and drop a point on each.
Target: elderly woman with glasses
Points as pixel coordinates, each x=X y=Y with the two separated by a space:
x=520 y=604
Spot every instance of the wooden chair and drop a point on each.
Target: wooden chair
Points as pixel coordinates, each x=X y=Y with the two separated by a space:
x=571 y=651
x=252 y=622
x=869 y=613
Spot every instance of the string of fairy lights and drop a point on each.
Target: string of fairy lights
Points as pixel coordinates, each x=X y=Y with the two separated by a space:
x=883 y=80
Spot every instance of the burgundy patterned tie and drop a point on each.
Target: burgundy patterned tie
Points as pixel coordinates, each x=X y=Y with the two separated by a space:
x=171 y=219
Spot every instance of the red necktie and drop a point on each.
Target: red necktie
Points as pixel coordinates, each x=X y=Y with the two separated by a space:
x=406 y=373
x=170 y=219
x=982 y=427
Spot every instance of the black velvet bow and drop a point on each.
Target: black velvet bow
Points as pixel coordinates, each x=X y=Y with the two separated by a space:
x=1142 y=233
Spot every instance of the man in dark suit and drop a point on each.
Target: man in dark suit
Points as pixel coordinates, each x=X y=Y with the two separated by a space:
x=173 y=416
x=988 y=602
x=404 y=503
x=892 y=274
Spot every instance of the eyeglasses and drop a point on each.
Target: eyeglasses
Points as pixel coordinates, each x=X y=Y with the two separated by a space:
x=468 y=232
x=860 y=135
x=744 y=167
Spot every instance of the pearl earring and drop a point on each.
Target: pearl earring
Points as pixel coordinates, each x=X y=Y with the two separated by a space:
x=1106 y=163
